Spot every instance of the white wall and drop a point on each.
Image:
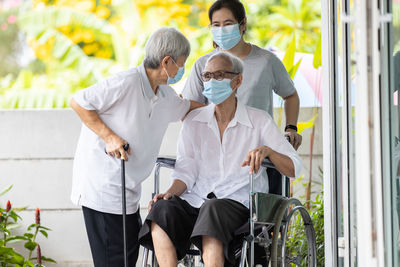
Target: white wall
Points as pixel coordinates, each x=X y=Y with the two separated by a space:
x=36 y=153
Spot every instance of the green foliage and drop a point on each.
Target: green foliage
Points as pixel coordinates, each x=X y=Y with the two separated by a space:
x=43 y=25
x=45 y=91
x=8 y=222
x=64 y=64
x=5 y=191
x=297 y=241
x=288 y=59
x=10 y=41
x=317 y=59
x=67 y=67
x=301 y=18
x=396 y=26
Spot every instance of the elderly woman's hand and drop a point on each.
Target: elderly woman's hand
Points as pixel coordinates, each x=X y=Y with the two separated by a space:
x=255 y=157
x=115 y=147
x=164 y=196
x=295 y=139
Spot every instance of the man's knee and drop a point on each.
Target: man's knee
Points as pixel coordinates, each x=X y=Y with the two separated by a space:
x=156 y=229
x=212 y=205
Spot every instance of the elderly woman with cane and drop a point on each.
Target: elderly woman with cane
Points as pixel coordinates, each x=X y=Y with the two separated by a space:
x=132 y=107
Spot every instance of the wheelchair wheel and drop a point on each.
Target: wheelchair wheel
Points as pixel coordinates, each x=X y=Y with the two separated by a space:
x=294 y=244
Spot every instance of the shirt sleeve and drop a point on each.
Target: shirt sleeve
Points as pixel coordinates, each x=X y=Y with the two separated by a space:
x=101 y=96
x=283 y=84
x=185 y=166
x=274 y=139
x=178 y=107
x=194 y=85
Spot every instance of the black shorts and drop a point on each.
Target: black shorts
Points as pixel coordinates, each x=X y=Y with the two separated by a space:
x=184 y=224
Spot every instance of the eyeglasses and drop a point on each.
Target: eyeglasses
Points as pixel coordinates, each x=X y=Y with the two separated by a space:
x=218 y=75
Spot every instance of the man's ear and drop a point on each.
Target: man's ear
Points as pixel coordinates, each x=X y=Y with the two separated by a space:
x=237 y=81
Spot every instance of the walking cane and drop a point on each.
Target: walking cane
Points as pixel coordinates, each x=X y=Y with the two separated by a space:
x=126 y=147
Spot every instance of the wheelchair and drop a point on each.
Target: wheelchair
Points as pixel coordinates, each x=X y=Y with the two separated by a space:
x=273 y=224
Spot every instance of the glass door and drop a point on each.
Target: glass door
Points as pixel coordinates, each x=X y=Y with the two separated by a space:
x=390 y=85
x=345 y=133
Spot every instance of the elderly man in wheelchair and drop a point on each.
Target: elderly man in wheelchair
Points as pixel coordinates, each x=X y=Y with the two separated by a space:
x=218 y=147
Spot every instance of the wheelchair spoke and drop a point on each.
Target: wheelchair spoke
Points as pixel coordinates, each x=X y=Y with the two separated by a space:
x=290 y=239
x=295 y=244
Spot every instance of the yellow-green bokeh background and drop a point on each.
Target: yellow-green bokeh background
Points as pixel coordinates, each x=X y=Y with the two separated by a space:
x=68 y=45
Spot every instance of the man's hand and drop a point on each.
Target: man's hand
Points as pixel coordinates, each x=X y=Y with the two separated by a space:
x=295 y=139
x=164 y=196
x=255 y=157
x=115 y=147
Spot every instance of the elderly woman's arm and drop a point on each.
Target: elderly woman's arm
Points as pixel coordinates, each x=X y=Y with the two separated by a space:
x=282 y=162
x=114 y=143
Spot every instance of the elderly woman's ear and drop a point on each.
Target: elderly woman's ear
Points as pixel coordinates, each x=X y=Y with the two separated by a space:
x=164 y=61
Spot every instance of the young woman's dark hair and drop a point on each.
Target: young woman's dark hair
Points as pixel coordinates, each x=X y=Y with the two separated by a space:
x=235 y=6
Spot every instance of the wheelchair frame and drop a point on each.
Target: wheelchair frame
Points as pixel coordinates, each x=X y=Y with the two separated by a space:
x=280 y=225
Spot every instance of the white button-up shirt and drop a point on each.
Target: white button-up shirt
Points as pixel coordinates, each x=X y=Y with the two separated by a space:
x=127 y=104
x=206 y=165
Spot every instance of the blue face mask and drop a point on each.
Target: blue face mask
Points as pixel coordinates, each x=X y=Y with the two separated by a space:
x=226 y=37
x=178 y=75
x=217 y=91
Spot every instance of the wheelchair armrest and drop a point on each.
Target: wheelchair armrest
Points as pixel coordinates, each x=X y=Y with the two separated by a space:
x=267 y=163
x=168 y=162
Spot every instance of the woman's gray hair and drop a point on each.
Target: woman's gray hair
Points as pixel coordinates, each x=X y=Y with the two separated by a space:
x=164 y=42
x=236 y=63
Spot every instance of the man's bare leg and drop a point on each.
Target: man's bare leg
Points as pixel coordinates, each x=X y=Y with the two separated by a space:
x=213 y=252
x=163 y=247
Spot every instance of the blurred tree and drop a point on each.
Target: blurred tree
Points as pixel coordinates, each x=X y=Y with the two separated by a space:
x=301 y=18
x=396 y=26
x=11 y=43
x=77 y=42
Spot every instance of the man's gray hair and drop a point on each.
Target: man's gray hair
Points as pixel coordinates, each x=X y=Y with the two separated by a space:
x=164 y=42
x=236 y=63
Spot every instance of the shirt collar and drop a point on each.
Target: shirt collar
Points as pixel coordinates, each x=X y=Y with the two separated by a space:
x=242 y=115
x=206 y=115
x=147 y=90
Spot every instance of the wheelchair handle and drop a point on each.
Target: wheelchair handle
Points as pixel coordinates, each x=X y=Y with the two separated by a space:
x=169 y=162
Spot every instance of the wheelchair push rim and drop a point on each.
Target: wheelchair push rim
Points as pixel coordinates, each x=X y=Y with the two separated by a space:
x=283 y=227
